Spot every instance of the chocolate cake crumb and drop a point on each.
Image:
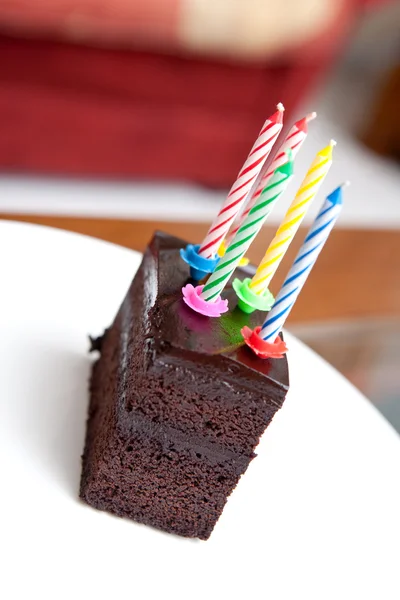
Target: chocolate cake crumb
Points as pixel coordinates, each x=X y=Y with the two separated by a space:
x=96 y=342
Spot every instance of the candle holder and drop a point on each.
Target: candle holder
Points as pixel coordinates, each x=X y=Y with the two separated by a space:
x=191 y=296
x=199 y=266
x=263 y=349
x=248 y=300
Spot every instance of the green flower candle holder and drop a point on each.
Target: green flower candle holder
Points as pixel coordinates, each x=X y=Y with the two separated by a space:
x=248 y=300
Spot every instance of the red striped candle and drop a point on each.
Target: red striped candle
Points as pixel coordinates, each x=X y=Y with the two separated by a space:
x=293 y=142
x=243 y=184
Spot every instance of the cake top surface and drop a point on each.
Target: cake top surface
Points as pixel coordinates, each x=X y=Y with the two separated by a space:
x=191 y=336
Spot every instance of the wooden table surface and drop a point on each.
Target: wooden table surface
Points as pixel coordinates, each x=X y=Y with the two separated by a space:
x=357 y=274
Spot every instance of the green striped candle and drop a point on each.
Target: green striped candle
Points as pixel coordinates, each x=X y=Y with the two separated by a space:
x=248 y=231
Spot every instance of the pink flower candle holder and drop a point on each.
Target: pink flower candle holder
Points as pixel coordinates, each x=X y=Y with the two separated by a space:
x=191 y=296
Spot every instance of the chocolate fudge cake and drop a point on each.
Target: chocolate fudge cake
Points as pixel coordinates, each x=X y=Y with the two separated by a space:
x=177 y=403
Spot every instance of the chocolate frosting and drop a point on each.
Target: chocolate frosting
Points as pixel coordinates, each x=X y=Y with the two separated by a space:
x=174 y=325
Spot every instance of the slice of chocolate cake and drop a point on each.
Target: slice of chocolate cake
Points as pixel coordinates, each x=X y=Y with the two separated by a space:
x=177 y=403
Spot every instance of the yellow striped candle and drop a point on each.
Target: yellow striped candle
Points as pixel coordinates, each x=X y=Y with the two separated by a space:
x=292 y=220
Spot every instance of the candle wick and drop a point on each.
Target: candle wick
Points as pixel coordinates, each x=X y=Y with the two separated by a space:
x=311 y=116
x=280 y=107
x=333 y=143
x=345 y=184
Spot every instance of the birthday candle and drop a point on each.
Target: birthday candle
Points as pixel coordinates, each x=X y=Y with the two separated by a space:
x=293 y=141
x=292 y=220
x=243 y=184
x=302 y=266
x=248 y=231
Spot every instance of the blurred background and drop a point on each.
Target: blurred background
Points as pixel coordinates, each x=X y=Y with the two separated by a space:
x=118 y=117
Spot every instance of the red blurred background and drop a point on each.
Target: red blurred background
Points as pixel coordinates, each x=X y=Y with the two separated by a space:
x=144 y=89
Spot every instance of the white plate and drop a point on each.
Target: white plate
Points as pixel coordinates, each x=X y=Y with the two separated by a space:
x=315 y=516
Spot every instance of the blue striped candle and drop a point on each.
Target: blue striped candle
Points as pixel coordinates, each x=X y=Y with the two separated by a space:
x=302 y=266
